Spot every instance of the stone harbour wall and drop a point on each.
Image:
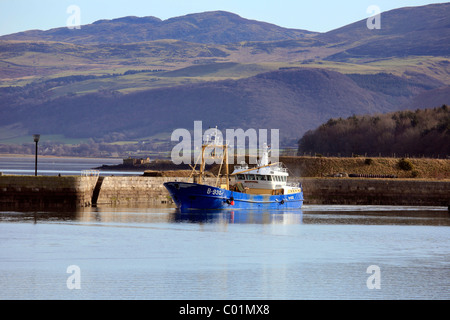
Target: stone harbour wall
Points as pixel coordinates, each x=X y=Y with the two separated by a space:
x=133 y=190
x=360 y=191
x=18 y=192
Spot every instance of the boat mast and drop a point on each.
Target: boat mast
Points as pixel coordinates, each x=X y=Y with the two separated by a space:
x=225 y=151
x=208 y=143
x=202 y=164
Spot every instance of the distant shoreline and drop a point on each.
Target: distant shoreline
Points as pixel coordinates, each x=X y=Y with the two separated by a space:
x=299 y=166
x=6 y=155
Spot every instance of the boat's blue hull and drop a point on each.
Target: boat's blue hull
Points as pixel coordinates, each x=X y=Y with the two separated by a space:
x=193 y=196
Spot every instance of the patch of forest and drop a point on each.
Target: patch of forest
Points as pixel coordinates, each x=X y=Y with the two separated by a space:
x=420 y=133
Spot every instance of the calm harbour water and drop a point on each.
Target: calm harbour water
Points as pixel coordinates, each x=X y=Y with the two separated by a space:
x=320 y=252
x=52 y=166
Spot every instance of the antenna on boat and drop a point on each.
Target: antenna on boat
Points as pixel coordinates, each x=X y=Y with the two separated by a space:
x=264 y=159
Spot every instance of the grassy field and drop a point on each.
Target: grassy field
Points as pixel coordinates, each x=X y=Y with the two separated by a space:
x=212 y=72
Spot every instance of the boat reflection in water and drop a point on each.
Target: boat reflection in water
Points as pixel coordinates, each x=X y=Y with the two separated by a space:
x=308 y=215
x=241 y=216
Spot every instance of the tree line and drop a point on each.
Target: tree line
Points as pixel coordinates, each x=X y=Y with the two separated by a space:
x=419 y=133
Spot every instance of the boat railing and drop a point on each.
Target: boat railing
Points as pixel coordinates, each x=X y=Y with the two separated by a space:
x=239 y=168
x=293 y=184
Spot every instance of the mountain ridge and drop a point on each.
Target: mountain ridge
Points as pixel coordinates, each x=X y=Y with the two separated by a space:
x=93 y=87
x=196 y=27
x=423 y=30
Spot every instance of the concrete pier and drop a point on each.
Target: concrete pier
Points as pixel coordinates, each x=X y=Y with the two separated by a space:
x=18 y=192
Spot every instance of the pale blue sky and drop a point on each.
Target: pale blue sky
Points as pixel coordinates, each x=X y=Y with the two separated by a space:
x=313 y=15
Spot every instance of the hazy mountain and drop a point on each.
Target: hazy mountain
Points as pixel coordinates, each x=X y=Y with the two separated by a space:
x=209 y=27
x=132 y=78
x=423 y=30
x=293 y=101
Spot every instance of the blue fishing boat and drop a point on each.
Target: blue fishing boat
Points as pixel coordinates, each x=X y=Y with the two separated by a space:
x=264 y=186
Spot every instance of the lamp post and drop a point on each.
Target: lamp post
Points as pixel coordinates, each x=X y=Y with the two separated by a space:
x=36 y=139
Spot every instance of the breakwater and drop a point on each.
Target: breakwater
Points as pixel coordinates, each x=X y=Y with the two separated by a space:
x=360 y=191
x=30 y=192
x=138 y=189
x=80 y=191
